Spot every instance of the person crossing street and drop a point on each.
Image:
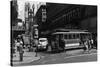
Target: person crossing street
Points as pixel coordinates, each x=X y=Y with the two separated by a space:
x=87 y=45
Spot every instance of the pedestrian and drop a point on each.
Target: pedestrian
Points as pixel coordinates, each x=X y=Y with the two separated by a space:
x=21 y=52
x=92 y=43
x=87 y=45
x=17 y=44
x=36 y=42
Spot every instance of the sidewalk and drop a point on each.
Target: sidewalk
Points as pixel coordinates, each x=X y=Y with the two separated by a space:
x=27 y=58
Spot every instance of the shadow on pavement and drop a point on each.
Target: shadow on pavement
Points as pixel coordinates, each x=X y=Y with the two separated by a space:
x=55 y=52
x=15 y=60
x=26 y=56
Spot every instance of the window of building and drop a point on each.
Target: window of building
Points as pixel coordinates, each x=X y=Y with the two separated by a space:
x=70 y=37
x=66 y=36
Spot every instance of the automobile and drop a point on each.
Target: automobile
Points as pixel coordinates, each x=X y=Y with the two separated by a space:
x=43 y=43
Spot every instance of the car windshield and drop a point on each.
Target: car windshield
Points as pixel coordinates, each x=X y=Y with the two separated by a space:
x=42 y=40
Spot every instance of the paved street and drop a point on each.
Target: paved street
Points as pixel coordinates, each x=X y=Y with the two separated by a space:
x=77 y=55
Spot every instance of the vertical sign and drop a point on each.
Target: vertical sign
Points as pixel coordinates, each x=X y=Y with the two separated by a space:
x=44 y=15
x=27 y=5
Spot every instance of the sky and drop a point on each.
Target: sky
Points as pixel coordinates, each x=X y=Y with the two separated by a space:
x=21 y=7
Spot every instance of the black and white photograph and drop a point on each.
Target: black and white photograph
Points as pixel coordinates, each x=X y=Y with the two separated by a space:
x=52 y=33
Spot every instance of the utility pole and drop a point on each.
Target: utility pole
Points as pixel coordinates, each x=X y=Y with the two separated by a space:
x=36 y=36
x=27 y=7
x=31 y=22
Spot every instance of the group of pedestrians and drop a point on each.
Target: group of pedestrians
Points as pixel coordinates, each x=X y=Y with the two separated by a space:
x=18 y=48
x=88 y=44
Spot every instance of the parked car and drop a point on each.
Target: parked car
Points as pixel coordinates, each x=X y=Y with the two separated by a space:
x=43 y=44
